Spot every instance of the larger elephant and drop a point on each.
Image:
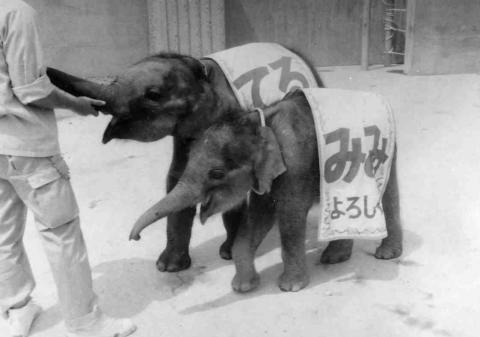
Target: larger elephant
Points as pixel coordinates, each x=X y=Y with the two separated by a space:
x=172 y=94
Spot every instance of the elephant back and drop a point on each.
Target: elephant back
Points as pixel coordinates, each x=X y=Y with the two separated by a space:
x=260 y=74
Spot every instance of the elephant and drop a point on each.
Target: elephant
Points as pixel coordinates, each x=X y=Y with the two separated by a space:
x=278 y=167
x=179 y=95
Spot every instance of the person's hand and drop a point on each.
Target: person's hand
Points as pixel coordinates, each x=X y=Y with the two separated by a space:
x=85 y=106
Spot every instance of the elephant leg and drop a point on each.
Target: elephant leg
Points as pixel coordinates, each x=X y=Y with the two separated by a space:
x=292 y=224
x=337 y=251
x=232 y=220
x=175 y=256
x=260 y=219
x=391 y=246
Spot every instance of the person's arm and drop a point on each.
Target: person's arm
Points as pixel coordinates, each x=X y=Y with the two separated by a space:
x=24 y=58
x=63 y=100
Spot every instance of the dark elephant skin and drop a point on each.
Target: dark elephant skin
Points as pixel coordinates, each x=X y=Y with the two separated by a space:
x=165 y=94
x=280 y=164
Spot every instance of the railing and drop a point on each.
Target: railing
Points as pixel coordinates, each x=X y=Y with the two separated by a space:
x=392 y=30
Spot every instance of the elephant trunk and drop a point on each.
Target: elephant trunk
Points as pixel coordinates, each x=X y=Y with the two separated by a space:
x=80 y=87
x=182 y=196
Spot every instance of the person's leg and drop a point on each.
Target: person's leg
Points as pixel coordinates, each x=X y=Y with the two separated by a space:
x=47 y=192
x=66 y=252
x=69 y=263
x=16 y=279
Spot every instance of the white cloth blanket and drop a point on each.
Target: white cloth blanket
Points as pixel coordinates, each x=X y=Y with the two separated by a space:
x=260 y=74
x=356 y=141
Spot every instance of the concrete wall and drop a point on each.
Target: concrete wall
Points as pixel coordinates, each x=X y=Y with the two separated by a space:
x=326 y=31
x=443 y=36
x=93 y=37
x=193 y=27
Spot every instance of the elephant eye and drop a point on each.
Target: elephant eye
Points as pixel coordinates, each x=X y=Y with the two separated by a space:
x=216 y=174
x=153 y=94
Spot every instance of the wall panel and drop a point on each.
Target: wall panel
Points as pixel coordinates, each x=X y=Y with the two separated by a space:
x=93 y=37
x=327 y=31
x=194 y=27
x=443 y=37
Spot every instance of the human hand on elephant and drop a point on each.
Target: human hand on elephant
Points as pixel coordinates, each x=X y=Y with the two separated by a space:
x=85 y=106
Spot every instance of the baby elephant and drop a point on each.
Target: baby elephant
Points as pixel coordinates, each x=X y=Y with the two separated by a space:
x=273 y=155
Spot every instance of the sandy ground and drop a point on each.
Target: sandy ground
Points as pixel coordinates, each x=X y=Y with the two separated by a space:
x=432 y=290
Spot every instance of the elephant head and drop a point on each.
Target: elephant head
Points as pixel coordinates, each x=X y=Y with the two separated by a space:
x=149 y=100
x=233 y=156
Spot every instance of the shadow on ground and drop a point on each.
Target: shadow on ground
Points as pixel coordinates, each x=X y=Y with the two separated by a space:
x=360 y=269
x=138 y=283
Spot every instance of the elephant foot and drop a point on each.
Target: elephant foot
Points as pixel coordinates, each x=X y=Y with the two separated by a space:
x=225 y=251
x=293 y=281
x=172 y=261
x=244 y=284
x=337 y=251
x=389 y=249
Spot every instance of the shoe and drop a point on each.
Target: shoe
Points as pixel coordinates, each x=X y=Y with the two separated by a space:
x=20 y=320
x=106 y=327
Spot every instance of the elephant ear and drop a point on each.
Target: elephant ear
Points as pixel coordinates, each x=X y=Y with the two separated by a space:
x=197 y=67
x=269 y=164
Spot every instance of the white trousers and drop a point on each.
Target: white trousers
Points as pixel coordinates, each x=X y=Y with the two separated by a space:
x=42 y=185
